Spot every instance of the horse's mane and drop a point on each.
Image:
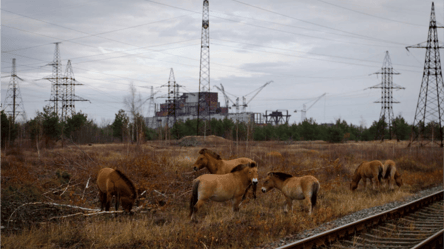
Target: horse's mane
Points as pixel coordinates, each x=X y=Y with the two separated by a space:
x=128 y=181
x=211 y=153
x=243 y=166
x=359 y=166
x=281 y=175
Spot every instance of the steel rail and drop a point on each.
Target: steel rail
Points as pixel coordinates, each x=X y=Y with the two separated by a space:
x=434 y=241
x=328 y=237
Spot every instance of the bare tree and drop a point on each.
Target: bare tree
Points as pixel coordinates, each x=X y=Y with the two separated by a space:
x=133 y=103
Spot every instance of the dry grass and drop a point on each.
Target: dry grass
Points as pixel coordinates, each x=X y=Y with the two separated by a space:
x=60 y=176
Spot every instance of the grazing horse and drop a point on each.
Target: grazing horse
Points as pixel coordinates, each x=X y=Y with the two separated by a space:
x=293 y=188
x=215 y=164
x=367 y=170
x=391 y=174
x=114 y=182
x=220 y=188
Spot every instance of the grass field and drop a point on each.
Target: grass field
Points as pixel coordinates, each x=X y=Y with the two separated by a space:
x=164 y=172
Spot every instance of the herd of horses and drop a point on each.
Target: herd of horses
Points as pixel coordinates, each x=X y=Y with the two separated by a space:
x=231 y=180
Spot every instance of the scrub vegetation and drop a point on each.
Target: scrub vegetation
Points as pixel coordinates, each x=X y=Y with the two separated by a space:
x=35 y=179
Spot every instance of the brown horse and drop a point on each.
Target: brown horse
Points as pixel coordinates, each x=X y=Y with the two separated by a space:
x=391 y=174
x=293 y=188
x=367 y=170
x=220 y=188
x=114 y=182
x=215 y=164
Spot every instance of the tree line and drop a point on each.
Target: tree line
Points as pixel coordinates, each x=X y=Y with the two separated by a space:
x=46 y=129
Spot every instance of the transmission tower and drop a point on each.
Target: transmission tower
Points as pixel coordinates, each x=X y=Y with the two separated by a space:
x=56 y=79
x=151 y=103
x=429 y=110
x=387 y=100
x=172 y=86
x=203 y=109
x=14 y=107
x=68 y=97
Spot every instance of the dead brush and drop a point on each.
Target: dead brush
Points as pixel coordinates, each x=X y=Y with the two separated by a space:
x=163 y=172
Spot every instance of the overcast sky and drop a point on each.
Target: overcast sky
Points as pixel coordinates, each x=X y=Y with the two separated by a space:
x=307 y=47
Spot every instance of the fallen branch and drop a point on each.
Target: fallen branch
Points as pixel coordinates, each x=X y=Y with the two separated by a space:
x=50 y=204
x=136 y=209
x=87 y=186
x=86 y=214
x=184 y=193
x=160 y=193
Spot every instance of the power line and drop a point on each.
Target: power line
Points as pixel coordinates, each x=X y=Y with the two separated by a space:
x=363 y=13
x=312 y=23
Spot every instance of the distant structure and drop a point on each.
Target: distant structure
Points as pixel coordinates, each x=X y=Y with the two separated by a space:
x=187 y=109
x=62 y=87
x=276 y=117
x=14 y=107
x=56 y=79
x=68 y=96
x=205 y=107
x=305 y=109
x=428 y=123
x=387 y=100
x=152 y=106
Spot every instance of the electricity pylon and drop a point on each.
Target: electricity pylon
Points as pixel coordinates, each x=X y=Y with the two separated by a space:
x=204 y=72
x=68 y=96
x=14 y=107
x=152 y=103
x=56 y=79
x=387 y=99
x=430 y=108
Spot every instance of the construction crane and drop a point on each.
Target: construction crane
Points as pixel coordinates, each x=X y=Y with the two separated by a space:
x=235 y=104
x=305 y=109
x=257 y=91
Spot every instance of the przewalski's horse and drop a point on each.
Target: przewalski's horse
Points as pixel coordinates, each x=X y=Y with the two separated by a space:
x=113 y=182
x=293 y=188
x=215 y=164
x=220 y=188
x=367 y=170
x=391 y=174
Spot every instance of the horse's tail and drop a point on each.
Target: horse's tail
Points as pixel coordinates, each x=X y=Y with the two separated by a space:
x=194 y=196
x=314 y=194
x=381 y=169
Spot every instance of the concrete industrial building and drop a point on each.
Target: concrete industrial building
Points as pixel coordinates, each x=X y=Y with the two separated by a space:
x=186 y=109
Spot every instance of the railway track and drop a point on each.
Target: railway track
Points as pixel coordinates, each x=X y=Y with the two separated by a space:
x=418 y=224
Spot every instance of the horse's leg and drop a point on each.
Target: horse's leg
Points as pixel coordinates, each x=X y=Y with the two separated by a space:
x=109 y=197
x=390 y=181
x=117 y=201
x=236 y=203
x=288 y=204
x=196 y=207
x=102 y=198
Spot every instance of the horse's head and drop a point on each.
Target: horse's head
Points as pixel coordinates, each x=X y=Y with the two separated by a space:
x=268 y=183
x=353 y=185
x=252 y=173
x=127 y=203
x=273 y=179
x=249 y=170
x=201 y=162
x=398 y=181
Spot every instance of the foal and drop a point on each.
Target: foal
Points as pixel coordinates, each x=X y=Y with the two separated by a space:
x=293 y=188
